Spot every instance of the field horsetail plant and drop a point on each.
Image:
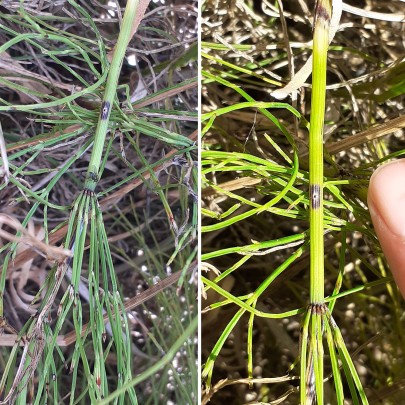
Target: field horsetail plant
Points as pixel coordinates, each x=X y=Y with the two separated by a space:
x=301 y=102
x=98 y=360
x=318 y=320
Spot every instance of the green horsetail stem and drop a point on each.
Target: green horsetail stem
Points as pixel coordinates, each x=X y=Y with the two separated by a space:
x=320 y=50
x=124 y=37
x=312 y=368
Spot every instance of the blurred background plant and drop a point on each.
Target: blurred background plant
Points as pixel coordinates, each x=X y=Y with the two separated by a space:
x=255 y=202
x=64 y=340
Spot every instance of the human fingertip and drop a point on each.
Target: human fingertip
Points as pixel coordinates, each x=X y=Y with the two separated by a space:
x=386 y=202
x=387 y=194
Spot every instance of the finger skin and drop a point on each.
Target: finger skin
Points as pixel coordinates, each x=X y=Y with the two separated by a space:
x=386 y=202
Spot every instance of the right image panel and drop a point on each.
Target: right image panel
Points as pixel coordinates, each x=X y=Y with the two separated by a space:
x=302 y=202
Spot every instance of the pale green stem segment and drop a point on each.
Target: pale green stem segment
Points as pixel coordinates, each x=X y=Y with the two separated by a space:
x=109 y=94
x=320 y=50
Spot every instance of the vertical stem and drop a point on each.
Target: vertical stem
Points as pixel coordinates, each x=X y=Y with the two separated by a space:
x=320 y=49
x=313 y=376
x=109 y=94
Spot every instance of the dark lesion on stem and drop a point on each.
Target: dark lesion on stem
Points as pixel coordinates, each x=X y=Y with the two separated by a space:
x=315 y=196
x=105 y=110
x=90 y=183
x=321 y=13
x=93 y=176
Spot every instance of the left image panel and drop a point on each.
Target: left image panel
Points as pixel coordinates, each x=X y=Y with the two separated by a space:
x=98 y=202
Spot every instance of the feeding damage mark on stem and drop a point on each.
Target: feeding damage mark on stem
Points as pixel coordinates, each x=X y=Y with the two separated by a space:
x=105 y=110
x=315 y=196
x=90 y=183
x=321 y=13
x=93 y=177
